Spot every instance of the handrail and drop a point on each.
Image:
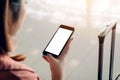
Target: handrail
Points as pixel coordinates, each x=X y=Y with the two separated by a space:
x=101 y=37
x=107 y=29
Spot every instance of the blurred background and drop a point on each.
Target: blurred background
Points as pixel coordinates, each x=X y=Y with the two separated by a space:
x=88 y=17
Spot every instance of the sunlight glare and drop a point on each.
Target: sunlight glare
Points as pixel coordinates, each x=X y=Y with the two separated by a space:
x=100 y=6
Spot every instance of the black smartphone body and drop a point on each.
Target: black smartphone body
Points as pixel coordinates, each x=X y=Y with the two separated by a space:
x=59 y=41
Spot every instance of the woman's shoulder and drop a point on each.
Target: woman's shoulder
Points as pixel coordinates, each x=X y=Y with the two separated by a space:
x=18 y=75
x=9 y=66
x=8 y=63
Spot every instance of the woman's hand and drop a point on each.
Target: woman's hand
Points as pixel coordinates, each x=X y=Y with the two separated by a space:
x=57 y=64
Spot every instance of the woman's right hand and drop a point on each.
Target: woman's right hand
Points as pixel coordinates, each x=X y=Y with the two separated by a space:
x=57 y=64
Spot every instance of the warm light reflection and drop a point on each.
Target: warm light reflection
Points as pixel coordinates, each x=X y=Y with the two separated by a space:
x=62 y=3
x=100 y=5
x=74 y=11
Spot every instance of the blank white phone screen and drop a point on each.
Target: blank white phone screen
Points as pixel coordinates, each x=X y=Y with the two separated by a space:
x=58 y=41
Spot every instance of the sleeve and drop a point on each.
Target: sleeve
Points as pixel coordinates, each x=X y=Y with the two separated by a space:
x=25 y=75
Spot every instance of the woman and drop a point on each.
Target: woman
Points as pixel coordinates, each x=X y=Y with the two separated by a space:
x=10 y=68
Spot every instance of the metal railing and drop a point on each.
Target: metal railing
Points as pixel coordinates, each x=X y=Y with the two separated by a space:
x=101 y=37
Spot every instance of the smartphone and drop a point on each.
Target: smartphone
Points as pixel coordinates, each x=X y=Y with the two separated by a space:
x=59 y=41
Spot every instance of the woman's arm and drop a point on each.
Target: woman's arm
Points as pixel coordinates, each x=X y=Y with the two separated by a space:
x=57 y=65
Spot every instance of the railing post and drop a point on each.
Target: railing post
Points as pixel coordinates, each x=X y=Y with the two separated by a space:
x=100 y=60
x=112 y=53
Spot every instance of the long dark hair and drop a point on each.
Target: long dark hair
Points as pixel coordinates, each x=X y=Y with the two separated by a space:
x=3 y=26
x=14 y=5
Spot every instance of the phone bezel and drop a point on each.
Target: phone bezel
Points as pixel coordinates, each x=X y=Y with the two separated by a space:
x=61 y=26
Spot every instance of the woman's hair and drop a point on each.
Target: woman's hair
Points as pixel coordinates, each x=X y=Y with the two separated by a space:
x=5 y=7
x=2 y=25
x=14 y=6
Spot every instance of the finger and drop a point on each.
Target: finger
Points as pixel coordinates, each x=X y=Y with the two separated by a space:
x=65 y=51
x=50 y=58
x=45 y=58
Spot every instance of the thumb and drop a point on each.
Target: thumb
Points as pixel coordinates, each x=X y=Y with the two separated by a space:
x=50 y=58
